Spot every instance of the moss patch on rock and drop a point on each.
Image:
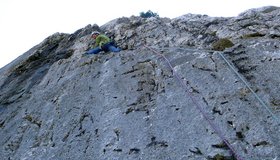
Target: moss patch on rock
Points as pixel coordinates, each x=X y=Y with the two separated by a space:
x=252 y=35
x=222 y=44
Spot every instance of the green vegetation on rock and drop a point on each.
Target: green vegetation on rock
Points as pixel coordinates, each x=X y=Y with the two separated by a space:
x=222 y=44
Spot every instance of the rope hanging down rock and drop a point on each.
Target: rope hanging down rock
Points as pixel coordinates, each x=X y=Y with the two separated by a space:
x=248 y=86
x=198 y=107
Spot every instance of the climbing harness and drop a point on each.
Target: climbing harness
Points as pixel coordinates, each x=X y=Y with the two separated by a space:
x=198 y=107
x=248 y=86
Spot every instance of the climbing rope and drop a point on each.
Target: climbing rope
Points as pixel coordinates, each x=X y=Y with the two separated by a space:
x=244 y=81
x=198 y=107
x=248 y=86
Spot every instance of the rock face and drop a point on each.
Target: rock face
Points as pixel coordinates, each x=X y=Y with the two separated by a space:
x=56 y=103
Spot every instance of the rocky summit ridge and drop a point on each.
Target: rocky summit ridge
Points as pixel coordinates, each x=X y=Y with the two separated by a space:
x=58 y=104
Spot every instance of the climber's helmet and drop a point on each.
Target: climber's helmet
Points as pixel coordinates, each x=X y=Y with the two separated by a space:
x=95 y=33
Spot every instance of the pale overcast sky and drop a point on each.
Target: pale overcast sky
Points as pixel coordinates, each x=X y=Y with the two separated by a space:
x=25 y=23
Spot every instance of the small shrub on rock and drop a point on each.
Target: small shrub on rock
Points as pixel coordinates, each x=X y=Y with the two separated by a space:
x=148 y=14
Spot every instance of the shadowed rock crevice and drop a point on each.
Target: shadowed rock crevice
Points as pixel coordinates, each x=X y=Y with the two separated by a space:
x=144 y=72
